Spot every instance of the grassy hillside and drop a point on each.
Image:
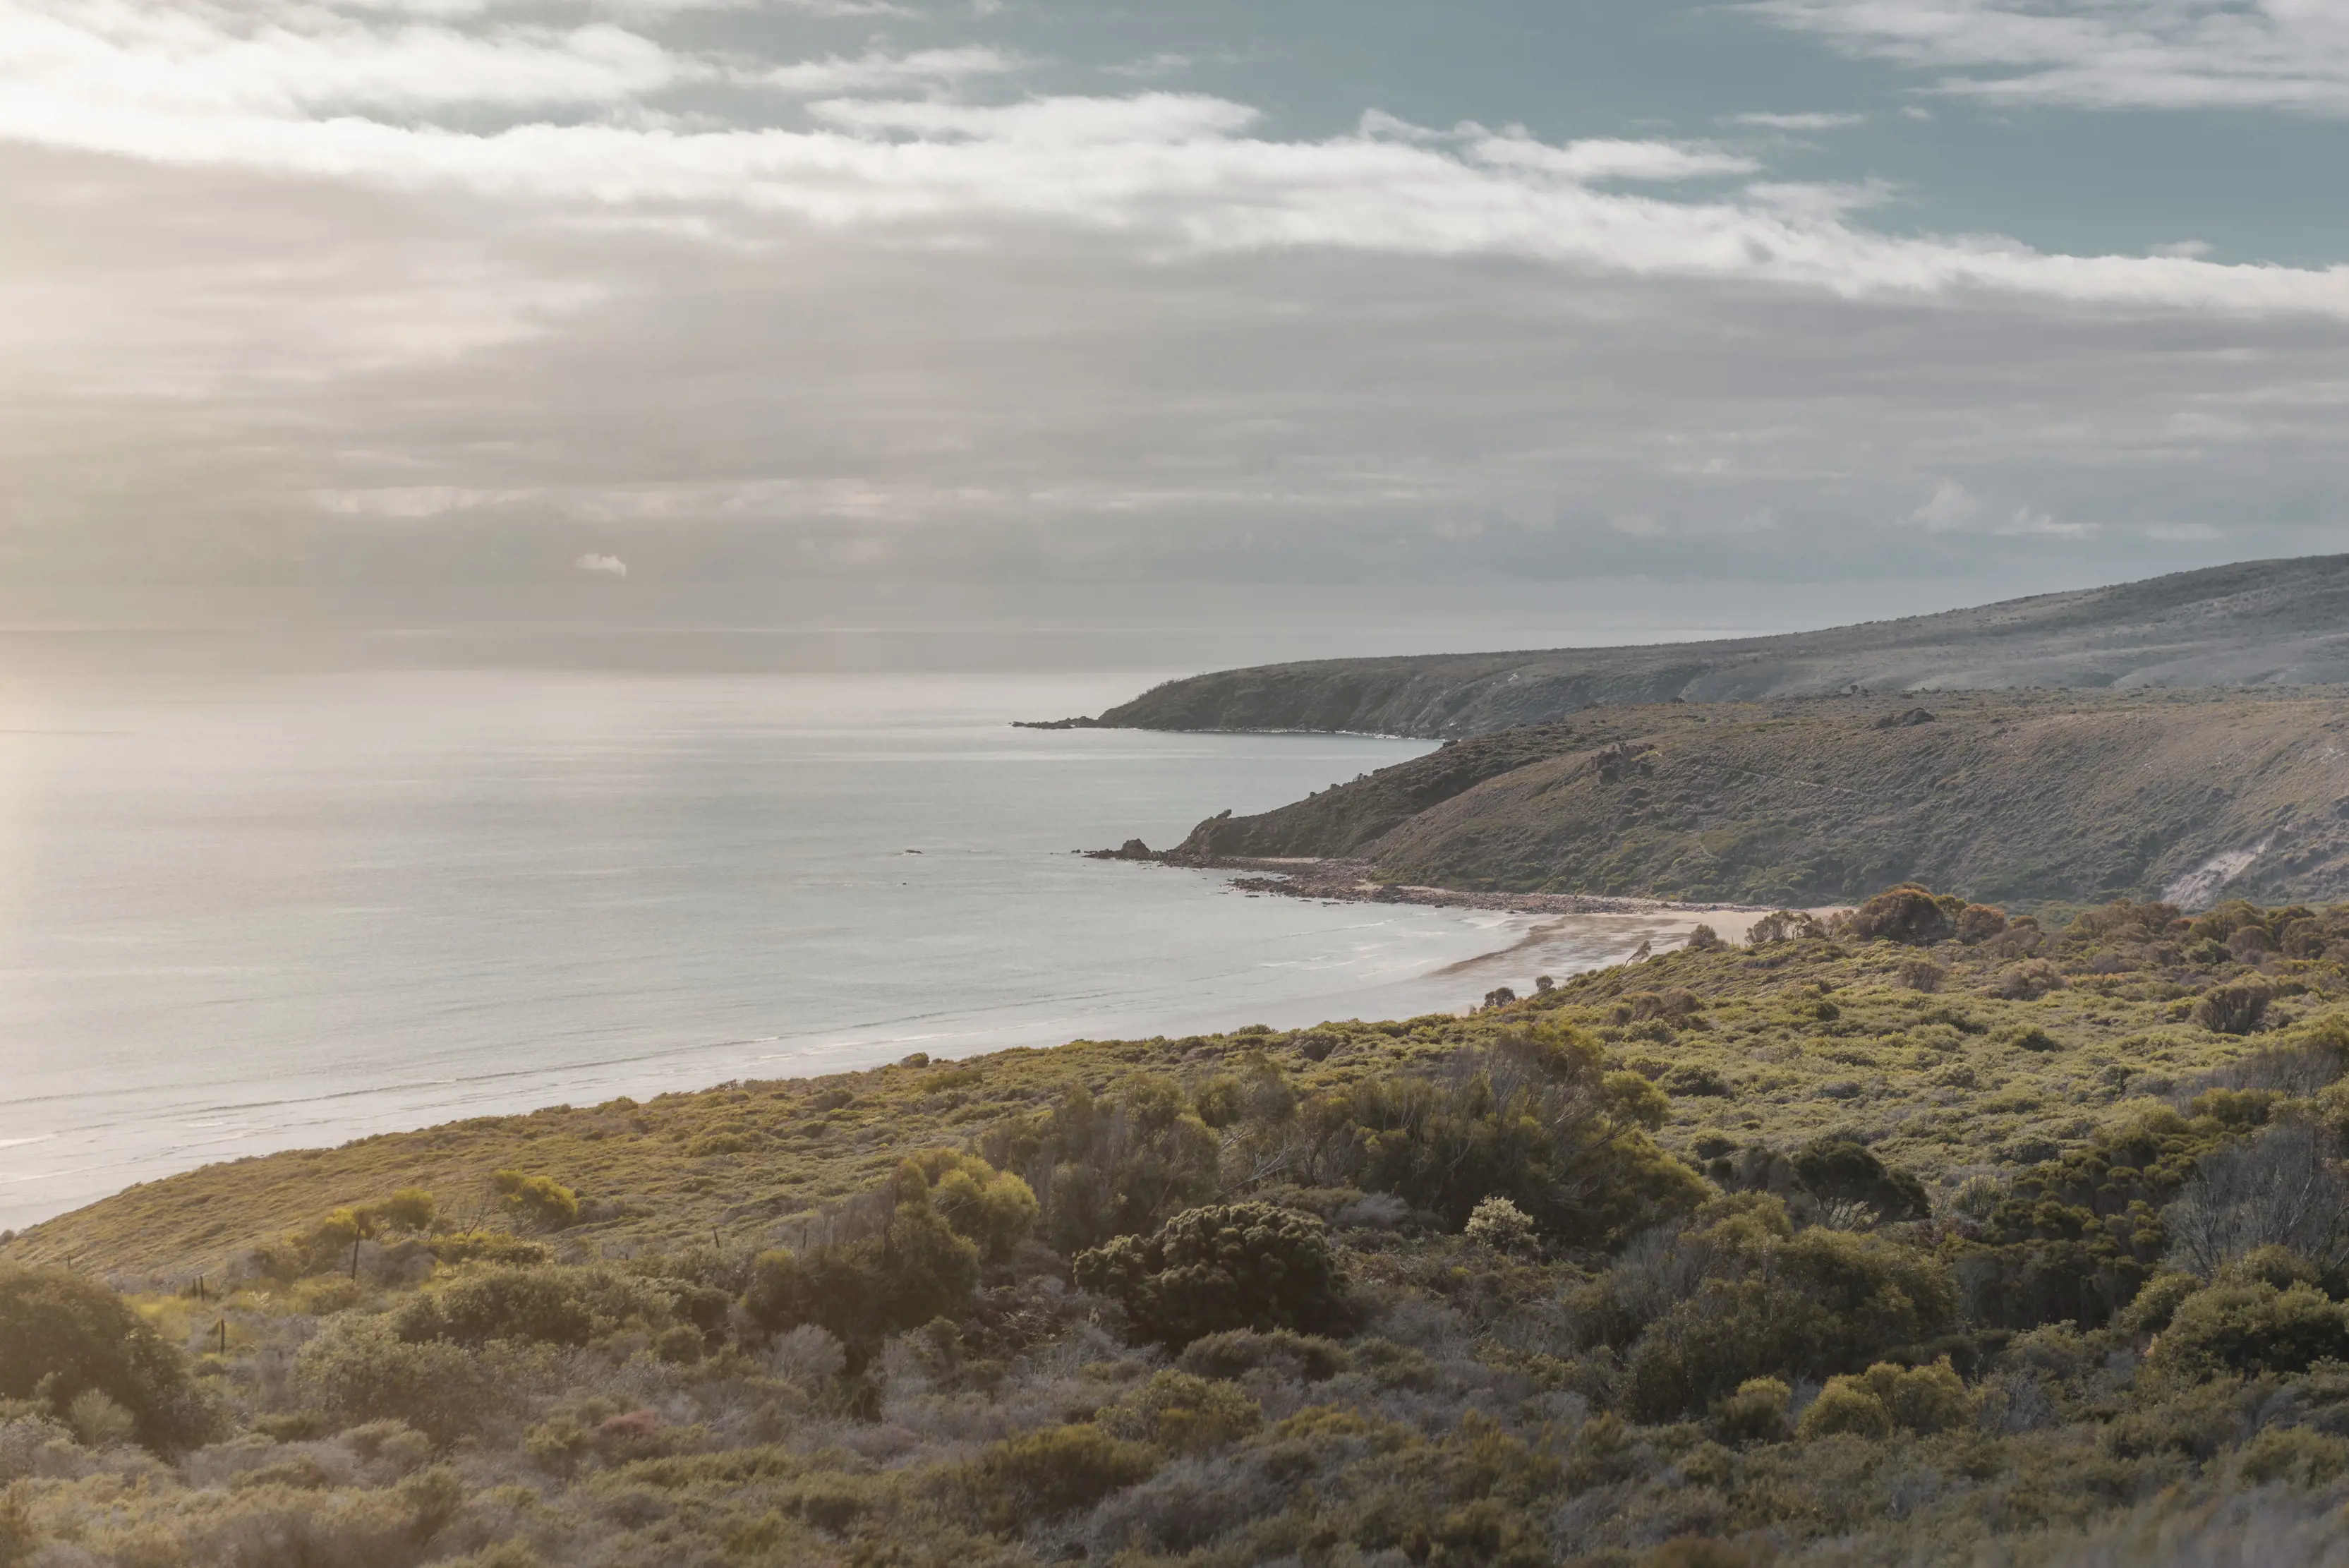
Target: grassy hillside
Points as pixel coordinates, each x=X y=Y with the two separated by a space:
x=2022 y=798
x=1929 y=1238
x=2260 y=623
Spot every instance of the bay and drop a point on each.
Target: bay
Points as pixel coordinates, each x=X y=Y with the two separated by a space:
x=246 y=913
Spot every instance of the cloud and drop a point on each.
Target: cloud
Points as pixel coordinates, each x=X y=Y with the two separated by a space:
x=601 y=566
x=1810 y=122
x=1602 y=159
x=878 y=72
x=2290 y=56
x=325 y=291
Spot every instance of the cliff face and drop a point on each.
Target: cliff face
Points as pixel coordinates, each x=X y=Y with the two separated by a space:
x=2020 y=799
x=2261 y=623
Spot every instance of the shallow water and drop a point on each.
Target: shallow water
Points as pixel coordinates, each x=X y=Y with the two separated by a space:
x=241 y=915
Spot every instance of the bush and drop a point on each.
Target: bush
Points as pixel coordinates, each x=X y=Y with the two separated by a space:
x=2028 y=980
x=1906 y=914
x=358 y=1369
x=1183 y=1414
x=62 y=1335
x=2235 y=1008
x=544 y=1304
x=1822 y=1302
x=1886 y=1398
x=1044 y=1475
x=1842 y=1169
x=537 y=1200
x=1500 y=1225
x=1227 y=1266
x=2252 y=1327
x=1756 y=1413
x=993 y=1209
x=913 y=1268
x=1295 y=1357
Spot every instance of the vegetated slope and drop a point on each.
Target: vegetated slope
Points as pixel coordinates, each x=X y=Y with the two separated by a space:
x=2020 y=798
x=1986 y=1243
x=2258 y=623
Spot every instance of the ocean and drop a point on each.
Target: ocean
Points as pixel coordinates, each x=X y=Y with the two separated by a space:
x=246 y=912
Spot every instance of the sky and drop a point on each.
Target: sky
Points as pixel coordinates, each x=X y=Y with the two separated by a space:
x=1782 y=311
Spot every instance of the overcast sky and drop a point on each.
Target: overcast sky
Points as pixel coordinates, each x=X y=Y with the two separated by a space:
x=1383 y=296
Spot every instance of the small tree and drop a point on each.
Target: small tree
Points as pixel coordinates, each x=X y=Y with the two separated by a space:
x=1226 y=1266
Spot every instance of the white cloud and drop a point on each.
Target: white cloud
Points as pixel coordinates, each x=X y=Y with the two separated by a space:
x=2189 y=248
x=1810 y=122
x=876 y=71
x=602 y=565
x=2284 y=54
x=1603 y=159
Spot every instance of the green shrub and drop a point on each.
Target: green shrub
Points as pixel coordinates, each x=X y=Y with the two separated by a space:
x=1822 y=1302
x=2250 y=1327
x=1535 y=1115
x=62 y=1335
x=993 y=1209
x=1840 y=1168
x=913 y=1268
x=1235 y=1353
x=2234 y=1008
x=1044 y=1475
x=2294 y=1455
x=358 y=1369
x=1886 y=1398
x=1226 y=1266
x=1183 y=1414
x=537 y=1200
x=544 y=1304
x=1756 y=1413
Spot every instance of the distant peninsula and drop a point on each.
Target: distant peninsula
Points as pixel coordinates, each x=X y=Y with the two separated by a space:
x=2260 y=623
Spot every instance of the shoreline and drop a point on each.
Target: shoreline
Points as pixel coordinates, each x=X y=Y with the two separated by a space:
x=1351 y=881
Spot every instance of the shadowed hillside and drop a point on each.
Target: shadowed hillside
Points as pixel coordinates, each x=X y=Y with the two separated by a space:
x=2260 y=623
x=2023 y=798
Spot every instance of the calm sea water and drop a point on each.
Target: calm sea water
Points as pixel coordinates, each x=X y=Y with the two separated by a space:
x=245 y=914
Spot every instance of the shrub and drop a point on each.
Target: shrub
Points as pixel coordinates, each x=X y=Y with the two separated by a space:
x=1906 y=914
x=1821 y=1302
x=1886 y=1398
x=1228 y=1266
x=1979 y=923
x=992 y=1210
x=1756 y=1413
x=2280 y=1188
x=62 y=1335
x=2251 y=1327
x=1044 y=1475
x=1500 y=1225
x=542 y=1304
x=537 y=1200
x=358 y=1369
x=913 y=1268
x=2234 y=1008
x=2296 y=1455
x=1536 y=1116
x=1183 y=1414
x=2028 y=980
x=1299 y=1357
x=1842 y=1168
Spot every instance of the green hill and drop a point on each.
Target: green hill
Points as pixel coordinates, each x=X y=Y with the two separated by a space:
x=1926 y=1237
x=2016 y=798
x=2260 y=623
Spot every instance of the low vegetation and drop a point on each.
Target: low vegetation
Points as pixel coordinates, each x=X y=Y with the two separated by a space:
x=2021 y=799
x=1926 y=1235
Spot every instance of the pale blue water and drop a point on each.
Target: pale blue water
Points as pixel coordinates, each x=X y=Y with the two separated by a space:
x=241 y=914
